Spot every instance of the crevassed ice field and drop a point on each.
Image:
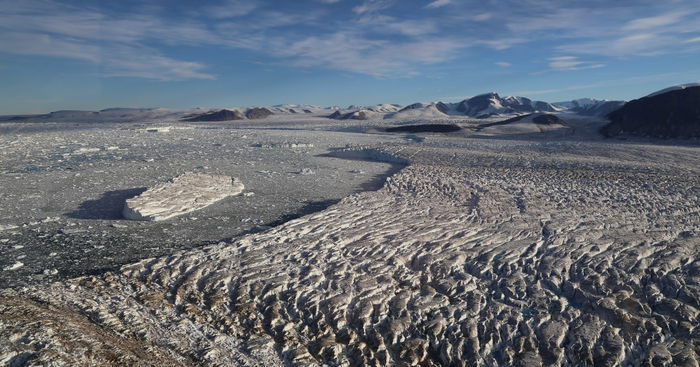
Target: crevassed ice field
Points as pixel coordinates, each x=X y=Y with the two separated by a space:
x=515 y=244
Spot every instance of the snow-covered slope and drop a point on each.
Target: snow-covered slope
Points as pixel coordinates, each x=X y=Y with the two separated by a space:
x=581 y=102
x=675 y=87
x=116 y=115
x=385 y=108
x=490 y=104
x=284 y=109
x=173 y=115
x=353 y=112
x=590 y=106
x=481 y=106
x=421 y=110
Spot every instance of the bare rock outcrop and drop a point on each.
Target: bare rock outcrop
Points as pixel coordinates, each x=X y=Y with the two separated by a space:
x=425 y=128
x=258 y=113
x=183 y=194
x=673 y=114
x=547 y=119
x=222 y=115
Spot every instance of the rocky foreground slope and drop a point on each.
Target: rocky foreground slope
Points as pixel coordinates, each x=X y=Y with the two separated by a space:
x=513 y=254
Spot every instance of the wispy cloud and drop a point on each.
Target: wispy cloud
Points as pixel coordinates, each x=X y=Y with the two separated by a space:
x=645 y=24
x=379 y=58
x=117 y=60
x=640 y=44
x=80 y=34
x=558 y=19
x=613 y=31
x=437 y=4
x=563 y=63
x=137 y=62
x=233 y=8
x=372 y=6
x=45 y=45
x=503 y=64
x=482 y=17
x=503 y=43
x=608 y=83
x=568 y=63
x=372 y=37
x=385 y=25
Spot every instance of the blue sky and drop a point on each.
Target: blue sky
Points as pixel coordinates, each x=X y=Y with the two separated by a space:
x=88 y=54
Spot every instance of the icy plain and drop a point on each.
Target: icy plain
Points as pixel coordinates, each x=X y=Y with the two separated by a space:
x=502 y=246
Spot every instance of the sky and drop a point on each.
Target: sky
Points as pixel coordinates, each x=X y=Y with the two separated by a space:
x=92 y=54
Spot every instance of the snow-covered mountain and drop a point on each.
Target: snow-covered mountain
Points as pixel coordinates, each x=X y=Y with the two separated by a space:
x=284 y=109
x=385 y=108
x=481 y=106
x=421 y=110
x=590 y=106
x=365 y=113
x=491 y=104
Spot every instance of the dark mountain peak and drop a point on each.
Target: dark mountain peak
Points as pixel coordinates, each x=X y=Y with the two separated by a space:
x=442 y=107
x=547 y=119
x=489 y=95
x=222 y=115
x=672 y=114
x=462 y=107
x=258 y=113
x=412 y=107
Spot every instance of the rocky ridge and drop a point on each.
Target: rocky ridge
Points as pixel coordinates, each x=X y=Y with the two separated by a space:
x=259 y=113
x=221 y=115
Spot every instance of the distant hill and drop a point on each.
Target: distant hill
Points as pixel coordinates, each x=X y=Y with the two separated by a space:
x=483 y=106
x=222 y=115
x=258 y=113
x=364 y=113
x=671 y=113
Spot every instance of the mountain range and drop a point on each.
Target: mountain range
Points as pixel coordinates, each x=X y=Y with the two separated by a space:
x=671 y=112
x=486 y=105
x=590 y=107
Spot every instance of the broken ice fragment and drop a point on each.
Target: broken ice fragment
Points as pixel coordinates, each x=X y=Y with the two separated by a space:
x=183 y=194
x=14 y=266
